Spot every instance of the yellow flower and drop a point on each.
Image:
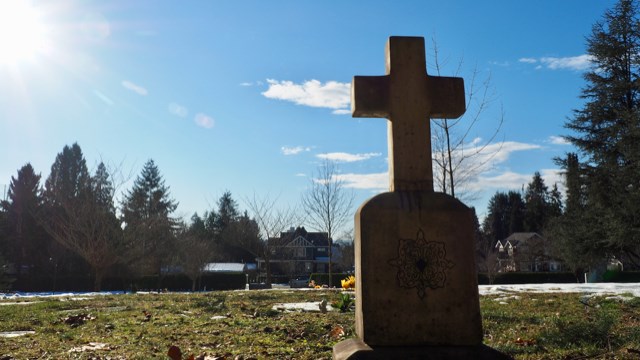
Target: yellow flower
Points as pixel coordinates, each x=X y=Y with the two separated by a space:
x=349 y=283
x=318 y=287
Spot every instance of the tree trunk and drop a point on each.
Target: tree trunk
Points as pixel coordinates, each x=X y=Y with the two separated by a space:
x=267 y=263
x=97 y=280
x=330 y=272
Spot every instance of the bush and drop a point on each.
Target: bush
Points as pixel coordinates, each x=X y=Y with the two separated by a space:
x=528 y=278
x=622 y=276
x=173 y=282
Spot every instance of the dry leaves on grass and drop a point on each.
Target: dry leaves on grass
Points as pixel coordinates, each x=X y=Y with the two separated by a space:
x=92 y=346
x=176 y=354
x=525 y=342
x=77 y=320
x=337 y=332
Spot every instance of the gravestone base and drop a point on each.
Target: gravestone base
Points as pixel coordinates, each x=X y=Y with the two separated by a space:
x=356 y=349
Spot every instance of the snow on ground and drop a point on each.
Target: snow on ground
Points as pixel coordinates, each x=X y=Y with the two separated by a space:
x=589 y=288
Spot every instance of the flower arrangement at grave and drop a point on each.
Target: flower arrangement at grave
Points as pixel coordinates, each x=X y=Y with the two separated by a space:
x=349 y=283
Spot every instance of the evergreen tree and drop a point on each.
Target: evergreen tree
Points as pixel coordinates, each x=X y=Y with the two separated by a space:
x=69 y=177
x=574 y=238
x=227 y=214
x=25 y=239
x=67 y=183
x=541 y=204
x=505 y=215
x=606 y=130
x=149 y=227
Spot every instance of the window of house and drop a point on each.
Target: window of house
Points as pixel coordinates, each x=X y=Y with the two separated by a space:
x=300 y=252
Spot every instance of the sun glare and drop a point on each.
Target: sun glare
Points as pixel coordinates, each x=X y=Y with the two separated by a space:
x=22 y=31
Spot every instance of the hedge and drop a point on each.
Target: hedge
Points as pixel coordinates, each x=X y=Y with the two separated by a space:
x=622 y=276
x=528 y=278
x=173 y=282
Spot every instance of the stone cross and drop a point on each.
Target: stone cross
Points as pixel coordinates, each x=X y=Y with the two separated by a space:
x=416 y=281
x=408 y=97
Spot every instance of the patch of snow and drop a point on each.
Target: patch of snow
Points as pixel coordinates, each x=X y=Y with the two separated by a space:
x=588 y=288
x=503 y=299
x=12 y=334
x=91 y=347
x=19 y=303
x=303 y=306
x=82 y=295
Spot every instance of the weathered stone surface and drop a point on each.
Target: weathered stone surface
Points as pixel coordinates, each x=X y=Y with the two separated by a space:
x=408 y=98
x=356 y=349
x=416 y=280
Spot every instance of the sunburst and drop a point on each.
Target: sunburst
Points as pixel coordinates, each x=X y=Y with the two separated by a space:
x=22 y=32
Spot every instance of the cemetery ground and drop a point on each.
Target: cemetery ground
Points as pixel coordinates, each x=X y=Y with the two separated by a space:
x=251 y=324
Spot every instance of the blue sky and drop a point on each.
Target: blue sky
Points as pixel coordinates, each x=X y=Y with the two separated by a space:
x=250 y=96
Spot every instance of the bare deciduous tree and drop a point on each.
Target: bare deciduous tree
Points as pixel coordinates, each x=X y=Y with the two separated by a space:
x=327 y=203
x=457 y=158
x=194 y=253
x=87 y=224
x=272 y=220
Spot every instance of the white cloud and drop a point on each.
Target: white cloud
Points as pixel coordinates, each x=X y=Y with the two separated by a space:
x=376 y=181
x=506 y=180
x=494 y=154
x=346 y=157
x=479 y=165
x=341 y=112
x=500 y=63
x=301 y=175
x=204 y=120
x=581 y=62
x=552 y=176
x=134 y=87
x=528 y=60
x=294 y=150
x=509 y=180
x=558 y=140
x=576 y=63
x=246 y=84
x=332 y=94
x=178 y=110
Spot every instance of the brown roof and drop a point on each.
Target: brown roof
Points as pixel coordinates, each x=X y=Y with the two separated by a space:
x=315 y=238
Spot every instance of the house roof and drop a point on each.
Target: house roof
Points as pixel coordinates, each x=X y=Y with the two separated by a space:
x=314 y=238
x=521 y=237
x=225 y=267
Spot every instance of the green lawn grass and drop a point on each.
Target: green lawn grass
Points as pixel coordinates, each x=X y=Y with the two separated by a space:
x=242 y=323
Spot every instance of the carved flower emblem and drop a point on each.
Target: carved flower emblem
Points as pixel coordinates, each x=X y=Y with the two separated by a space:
x=421 y=264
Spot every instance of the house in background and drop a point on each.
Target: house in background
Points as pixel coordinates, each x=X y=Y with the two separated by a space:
x=526 y=252
x=297 y=253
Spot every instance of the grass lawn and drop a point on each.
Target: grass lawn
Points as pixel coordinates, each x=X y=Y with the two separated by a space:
x=243 y=325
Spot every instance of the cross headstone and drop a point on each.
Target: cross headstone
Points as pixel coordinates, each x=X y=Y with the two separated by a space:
x=416 y=282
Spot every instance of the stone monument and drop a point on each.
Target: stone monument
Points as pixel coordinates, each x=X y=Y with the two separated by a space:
x=416 y=282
